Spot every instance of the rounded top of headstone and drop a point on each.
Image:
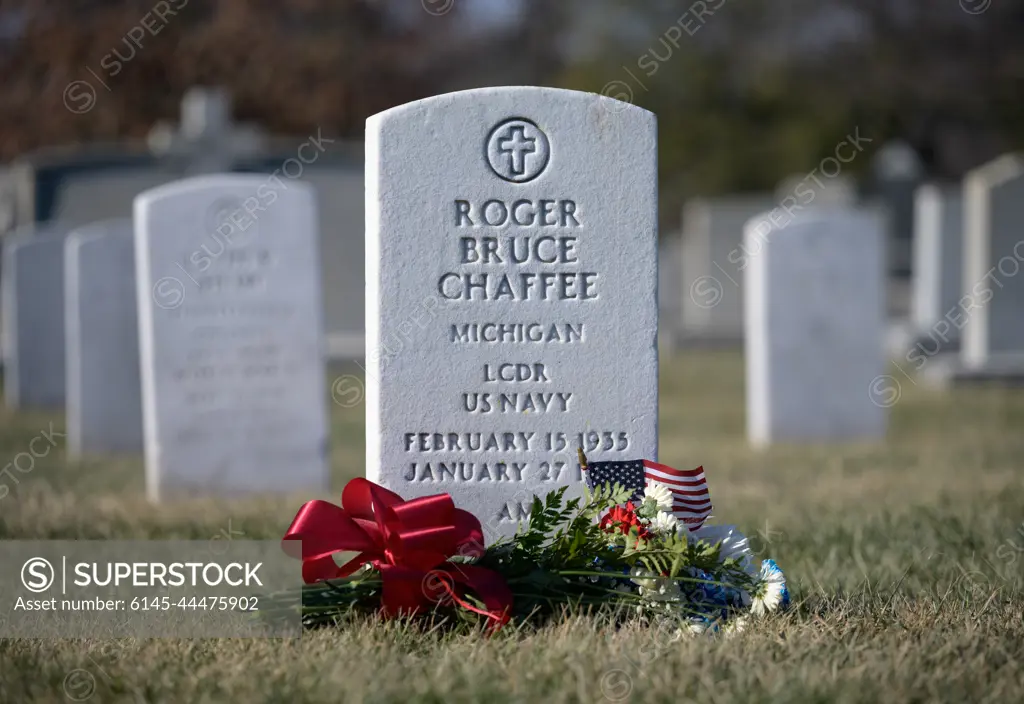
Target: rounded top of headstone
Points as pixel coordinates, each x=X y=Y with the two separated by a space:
x=510 y=95
x=49 y=231
x=117 y=227
x=1001 y=169
x=765 y=222
x=516 y=137
x=246 y=183
x=43 y=228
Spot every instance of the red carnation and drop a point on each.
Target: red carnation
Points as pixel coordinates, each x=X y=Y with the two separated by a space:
x=622 y=519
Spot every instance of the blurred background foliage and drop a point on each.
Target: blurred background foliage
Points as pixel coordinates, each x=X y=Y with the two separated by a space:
x=746 y=91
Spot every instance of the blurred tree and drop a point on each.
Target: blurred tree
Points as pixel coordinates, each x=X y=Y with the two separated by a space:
x=750 y=92
x=289 y=64
x=745 y=92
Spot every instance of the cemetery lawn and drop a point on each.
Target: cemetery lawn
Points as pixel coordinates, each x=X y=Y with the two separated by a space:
x=906 y=561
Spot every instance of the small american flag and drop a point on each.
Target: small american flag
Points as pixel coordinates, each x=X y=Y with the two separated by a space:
x=628 y=474
x=691 y=502
x=689 y=488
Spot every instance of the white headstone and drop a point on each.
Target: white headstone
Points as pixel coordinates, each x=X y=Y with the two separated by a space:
x=713 y=264
x=231 y=336
x=104 y=403
x=938 y=258
x=33 y=315
x=342 y=260
x=993 y=332
x=814 y=328
x=511 y=249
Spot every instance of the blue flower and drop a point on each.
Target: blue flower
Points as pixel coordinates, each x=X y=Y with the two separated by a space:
x=771 y=592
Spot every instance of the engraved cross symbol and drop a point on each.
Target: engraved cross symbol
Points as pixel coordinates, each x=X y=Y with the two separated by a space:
x=517 y=145
x=509 y=144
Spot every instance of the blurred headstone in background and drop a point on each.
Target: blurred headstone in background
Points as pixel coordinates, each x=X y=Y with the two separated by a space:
x=992 y=338
x=104 y=403
x=993 y=255
x=938 y=266
x=231 y=338
x=337 y=176
x=712 y=265
x=32 y=299
x=82 y=185
x=814 y=328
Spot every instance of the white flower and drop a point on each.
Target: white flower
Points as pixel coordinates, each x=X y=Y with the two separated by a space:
x=735 y=625
x=654 y=587
x=696 y=627
x=733 y=544
x=771 y=588
x=661 y=494
x=642 y=578
x=664 y=524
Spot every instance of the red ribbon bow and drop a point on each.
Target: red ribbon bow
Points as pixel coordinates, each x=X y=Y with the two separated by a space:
x=409 y=542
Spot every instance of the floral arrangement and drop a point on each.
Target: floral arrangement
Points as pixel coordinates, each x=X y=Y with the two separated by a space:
x=619 y=546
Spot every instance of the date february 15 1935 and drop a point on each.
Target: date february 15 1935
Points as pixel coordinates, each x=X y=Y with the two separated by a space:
x=560 y=467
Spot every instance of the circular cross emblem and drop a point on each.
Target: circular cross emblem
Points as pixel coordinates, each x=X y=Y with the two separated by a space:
x=227 y=217
x=220 y=213
x=517 y=150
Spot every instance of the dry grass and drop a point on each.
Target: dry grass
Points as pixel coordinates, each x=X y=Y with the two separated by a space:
x=903 y=558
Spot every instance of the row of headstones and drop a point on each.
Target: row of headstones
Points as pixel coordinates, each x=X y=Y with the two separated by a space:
x=969 y=250
x=501 y=354
x=98 y=182
x=511 y=273
x=814 y=309
x=707 y=258
x=192 y=332
x=954 y=249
